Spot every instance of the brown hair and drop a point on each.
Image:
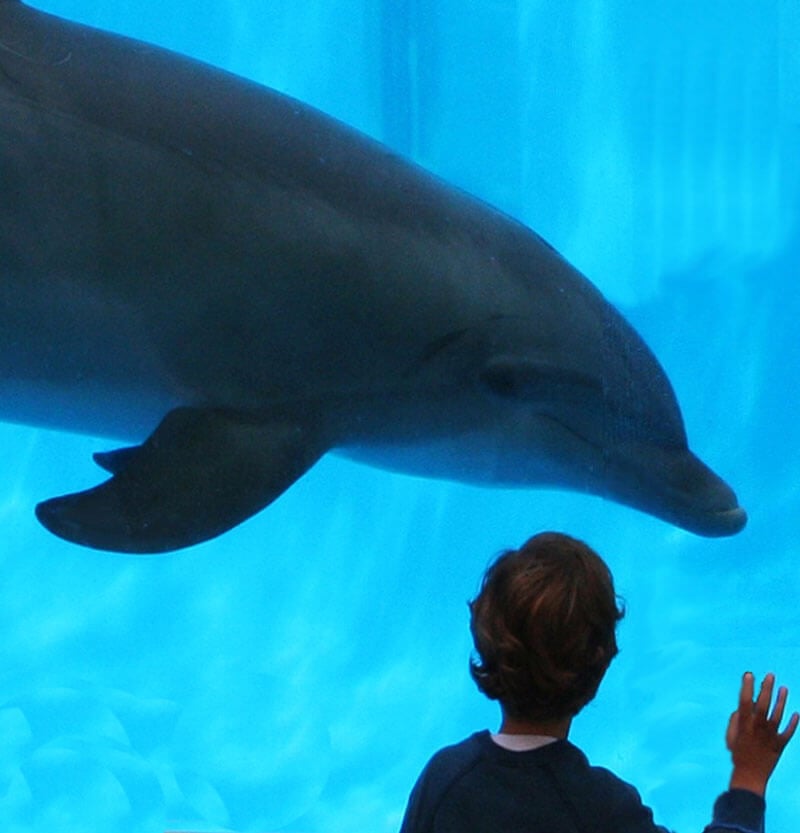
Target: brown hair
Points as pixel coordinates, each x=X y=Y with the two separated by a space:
x=544 y=627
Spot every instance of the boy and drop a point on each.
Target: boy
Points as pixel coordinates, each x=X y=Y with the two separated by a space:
x=544 y=627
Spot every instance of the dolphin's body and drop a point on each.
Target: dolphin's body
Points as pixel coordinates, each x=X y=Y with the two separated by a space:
x=185 y=249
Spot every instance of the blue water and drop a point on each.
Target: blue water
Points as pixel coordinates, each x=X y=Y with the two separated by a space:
x=296 y=673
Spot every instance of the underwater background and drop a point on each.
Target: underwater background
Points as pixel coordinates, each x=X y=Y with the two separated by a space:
x=296 y=673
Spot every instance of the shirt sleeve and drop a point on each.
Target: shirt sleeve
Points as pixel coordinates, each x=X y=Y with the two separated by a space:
x=626 y=811
x=735 y=811
x=738 y=811
x=414 y=820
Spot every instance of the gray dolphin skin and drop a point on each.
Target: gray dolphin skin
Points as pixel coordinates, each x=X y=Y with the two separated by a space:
x=235 y=284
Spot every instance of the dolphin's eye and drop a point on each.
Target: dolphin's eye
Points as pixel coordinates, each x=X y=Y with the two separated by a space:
x=501 y=381
x=539 y=382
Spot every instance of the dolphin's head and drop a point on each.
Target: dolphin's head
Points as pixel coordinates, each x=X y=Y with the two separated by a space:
x=569 y=395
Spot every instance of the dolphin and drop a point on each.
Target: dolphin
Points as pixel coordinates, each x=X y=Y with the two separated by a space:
x=235 y=284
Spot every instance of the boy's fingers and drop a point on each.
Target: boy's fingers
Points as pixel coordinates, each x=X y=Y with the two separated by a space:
x=732 y=731
x=787 y=734
x=765 y=695
x=780 y=704
x=746 y=693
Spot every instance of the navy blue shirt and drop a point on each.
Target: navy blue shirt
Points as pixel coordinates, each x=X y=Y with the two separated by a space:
x=477 y=786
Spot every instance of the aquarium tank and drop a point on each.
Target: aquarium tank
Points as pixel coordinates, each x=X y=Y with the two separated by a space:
x=296 y=673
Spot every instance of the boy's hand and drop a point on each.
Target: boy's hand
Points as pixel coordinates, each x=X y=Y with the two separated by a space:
x=753 y=736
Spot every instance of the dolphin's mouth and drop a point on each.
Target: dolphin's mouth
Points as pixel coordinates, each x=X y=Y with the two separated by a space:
x=670 y=483
x=676 y=486
x=729 y=522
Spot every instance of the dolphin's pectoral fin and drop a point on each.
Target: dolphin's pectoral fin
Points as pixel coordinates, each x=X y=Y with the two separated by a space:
x=529 y=380
x=199 y=474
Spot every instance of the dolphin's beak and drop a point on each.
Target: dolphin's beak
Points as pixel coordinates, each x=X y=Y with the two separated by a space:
x=676 y=486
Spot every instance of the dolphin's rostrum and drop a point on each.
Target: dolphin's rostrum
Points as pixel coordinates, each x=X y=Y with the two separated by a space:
x=189 y=255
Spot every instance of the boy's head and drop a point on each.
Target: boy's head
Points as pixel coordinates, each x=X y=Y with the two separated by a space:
x=544 y=627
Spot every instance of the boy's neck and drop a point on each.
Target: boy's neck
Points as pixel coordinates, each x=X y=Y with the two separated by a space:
x=547 y=728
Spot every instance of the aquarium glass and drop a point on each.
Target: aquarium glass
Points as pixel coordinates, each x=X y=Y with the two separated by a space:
x=296 y=673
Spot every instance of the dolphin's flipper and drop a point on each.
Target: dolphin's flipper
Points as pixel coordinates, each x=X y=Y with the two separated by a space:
x=199 y=474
